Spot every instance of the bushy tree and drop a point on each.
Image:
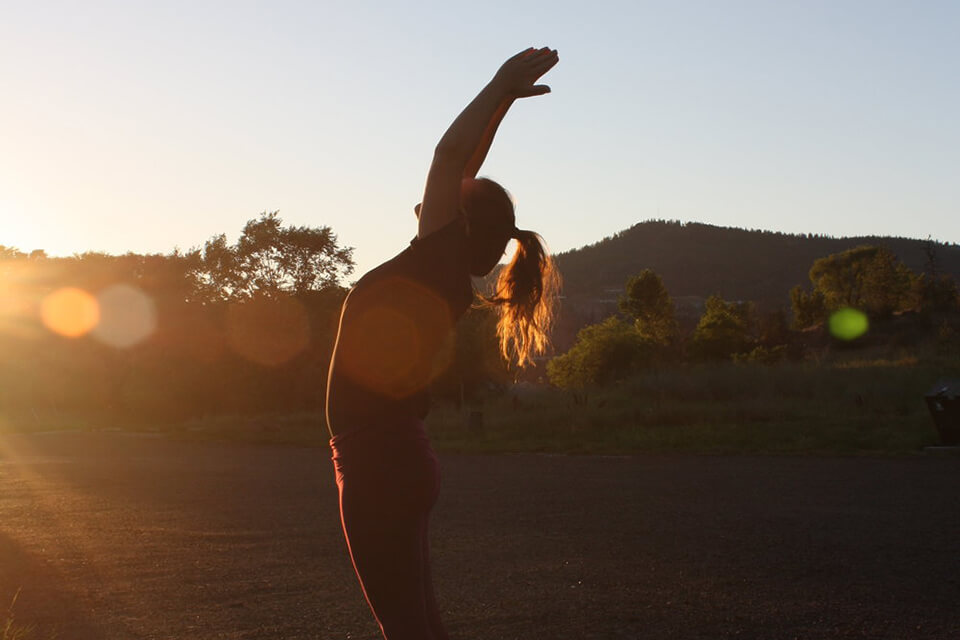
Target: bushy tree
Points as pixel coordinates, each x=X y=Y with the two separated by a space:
x=269 y=259
x=722 y=331
x=648 y=303
x=809 y=307
x=867 y=277
x=602 y=353
x=231 y=328
x=11 y=253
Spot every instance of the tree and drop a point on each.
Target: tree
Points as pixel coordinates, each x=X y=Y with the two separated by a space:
x=470 y=360
x=10 y=263
x=10 y=253
x=603 y=353
x=648 y=303
x=889 y=285
x=722 y=330
x=773 y=329
x=809 y=307
x=936 y=291
x=937 y=295
x=867 y=277
x=269 y=259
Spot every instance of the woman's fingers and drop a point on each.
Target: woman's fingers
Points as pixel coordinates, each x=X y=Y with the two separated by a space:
x=523 y=54
x=547 y=62
x=542 y=61
x=539 y=54
x=536 y=90
x=533 y=55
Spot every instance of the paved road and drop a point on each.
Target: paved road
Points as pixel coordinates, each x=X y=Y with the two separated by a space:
x=118 y=536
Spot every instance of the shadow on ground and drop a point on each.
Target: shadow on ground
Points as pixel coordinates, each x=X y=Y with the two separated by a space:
x=42 y=605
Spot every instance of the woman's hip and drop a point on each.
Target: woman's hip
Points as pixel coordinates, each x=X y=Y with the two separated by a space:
x=390 y=467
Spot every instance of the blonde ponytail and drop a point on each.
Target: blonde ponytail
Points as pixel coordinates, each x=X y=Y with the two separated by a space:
x=526 y=300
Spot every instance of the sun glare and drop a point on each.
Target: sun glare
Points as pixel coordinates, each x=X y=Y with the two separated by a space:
x=127 y=316
x=16 y=309
x=70 y=312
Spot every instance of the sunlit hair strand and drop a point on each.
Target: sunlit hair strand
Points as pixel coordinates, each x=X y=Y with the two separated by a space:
x=526 y=296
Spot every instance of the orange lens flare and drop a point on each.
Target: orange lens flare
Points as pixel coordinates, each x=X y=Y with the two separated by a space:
x=388 y=337
x=70 y=312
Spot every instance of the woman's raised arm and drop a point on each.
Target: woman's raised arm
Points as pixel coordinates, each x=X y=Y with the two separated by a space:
x=464 y=146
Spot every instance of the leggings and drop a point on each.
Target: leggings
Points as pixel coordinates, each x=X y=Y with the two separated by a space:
x=388 y=478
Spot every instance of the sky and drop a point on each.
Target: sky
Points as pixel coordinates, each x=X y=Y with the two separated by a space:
x=147 y=126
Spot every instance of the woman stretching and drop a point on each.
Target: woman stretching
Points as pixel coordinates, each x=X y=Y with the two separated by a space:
x=392 y=326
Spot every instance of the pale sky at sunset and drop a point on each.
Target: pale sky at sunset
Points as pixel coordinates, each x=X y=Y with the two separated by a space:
x=144 y=126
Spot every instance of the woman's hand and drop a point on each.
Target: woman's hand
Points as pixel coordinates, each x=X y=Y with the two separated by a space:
x=518 y=74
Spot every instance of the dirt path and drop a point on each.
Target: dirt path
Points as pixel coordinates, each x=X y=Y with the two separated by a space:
x=116 y=536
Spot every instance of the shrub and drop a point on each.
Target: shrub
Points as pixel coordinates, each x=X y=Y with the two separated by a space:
x=603 y=353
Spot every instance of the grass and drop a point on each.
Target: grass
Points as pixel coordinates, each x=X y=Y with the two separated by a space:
x=11 y=630
x=857 y=402
x=867 y=406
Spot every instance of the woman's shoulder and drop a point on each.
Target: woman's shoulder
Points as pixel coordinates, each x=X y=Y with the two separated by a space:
x=438 y=261
x=452 y=233
x=444 y=249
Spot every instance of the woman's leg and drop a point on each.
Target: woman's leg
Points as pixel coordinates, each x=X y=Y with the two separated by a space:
x=387 y=553
x=384 y=506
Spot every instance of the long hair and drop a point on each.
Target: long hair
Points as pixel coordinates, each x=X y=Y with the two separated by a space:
x=525 y=294
x=525 y=297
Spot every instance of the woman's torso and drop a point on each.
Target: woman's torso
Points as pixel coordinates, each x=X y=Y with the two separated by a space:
x=393 y=326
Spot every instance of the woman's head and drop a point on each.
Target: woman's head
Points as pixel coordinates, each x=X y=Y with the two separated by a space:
x=490 y=222
x=526 y=291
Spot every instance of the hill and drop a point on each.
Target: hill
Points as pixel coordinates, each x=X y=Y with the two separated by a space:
x=699 y=260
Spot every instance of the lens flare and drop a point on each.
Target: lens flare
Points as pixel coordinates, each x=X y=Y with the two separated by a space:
x=848 y=323
x=383 y=348
x=70 y=312
x=127 y=316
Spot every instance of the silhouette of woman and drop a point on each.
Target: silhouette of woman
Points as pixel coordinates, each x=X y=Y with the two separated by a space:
x=392 y=327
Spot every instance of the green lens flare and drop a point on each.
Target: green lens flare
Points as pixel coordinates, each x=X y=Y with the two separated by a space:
x=848 y=324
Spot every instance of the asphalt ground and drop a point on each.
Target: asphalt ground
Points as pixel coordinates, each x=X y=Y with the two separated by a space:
x=121 y=536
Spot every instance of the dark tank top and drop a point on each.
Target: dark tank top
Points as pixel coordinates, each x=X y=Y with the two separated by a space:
x=393 y=326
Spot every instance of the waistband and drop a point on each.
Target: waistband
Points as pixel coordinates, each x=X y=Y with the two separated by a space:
x=406 y=430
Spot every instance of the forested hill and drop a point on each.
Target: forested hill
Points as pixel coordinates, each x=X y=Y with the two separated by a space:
x=699 y=260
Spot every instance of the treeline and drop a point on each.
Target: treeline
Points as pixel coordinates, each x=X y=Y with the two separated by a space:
x=248 y=327
x=225 y=328
x=847 y=292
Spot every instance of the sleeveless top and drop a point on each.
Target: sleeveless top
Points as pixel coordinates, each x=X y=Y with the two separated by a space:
x=394 y=324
